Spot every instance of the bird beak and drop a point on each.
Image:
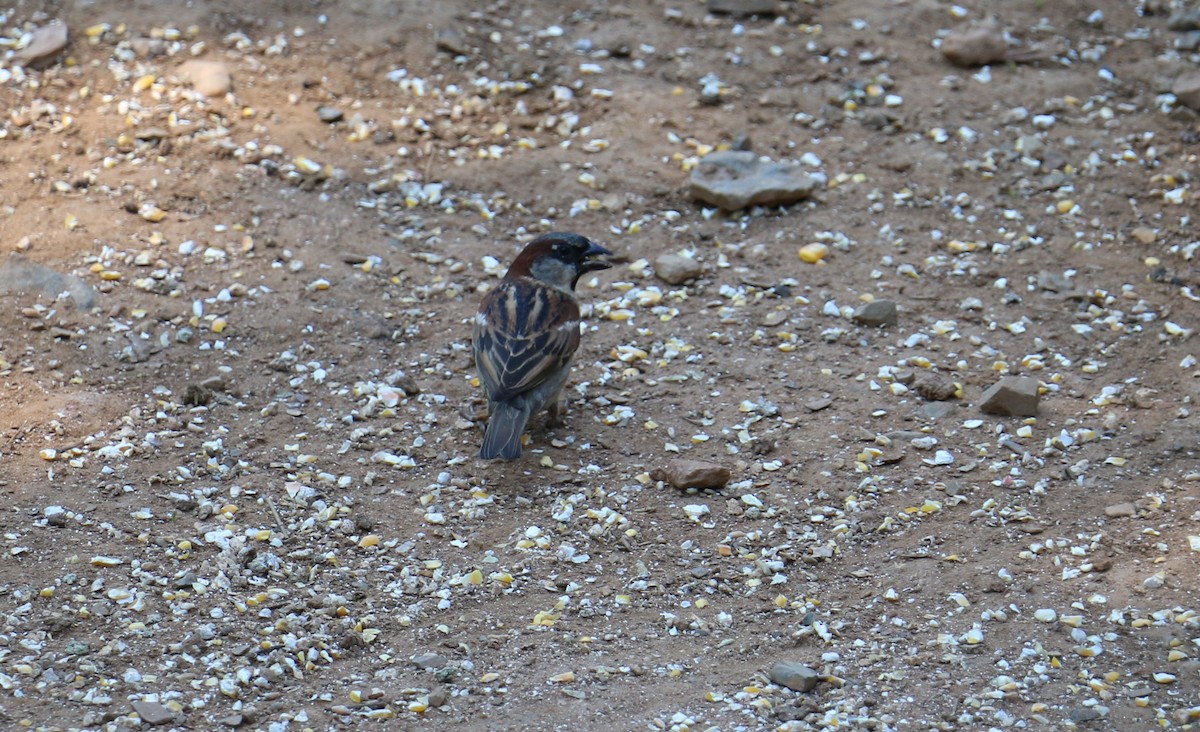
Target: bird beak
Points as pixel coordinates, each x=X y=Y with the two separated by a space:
x=590 y=264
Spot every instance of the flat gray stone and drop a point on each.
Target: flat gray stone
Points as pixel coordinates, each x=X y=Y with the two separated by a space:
x=152 y=713
x=742 y=7
x=1012 y=396
x=1187 y=89
x=732 y=180
x=18 y=275
x=326 y=113
x=675 y=269
x=937 y=410
x=47 y=42
x=794 y=675
x=1185 y=19
x=429 y=661
x=683 y=473
x=876 y=313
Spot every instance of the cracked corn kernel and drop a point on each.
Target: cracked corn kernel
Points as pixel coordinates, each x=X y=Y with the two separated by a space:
x=814 y=252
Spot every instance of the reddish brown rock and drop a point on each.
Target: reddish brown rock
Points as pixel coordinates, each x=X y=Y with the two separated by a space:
x=693 y=474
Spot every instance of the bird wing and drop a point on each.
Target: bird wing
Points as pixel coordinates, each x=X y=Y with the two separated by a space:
x=524 y=333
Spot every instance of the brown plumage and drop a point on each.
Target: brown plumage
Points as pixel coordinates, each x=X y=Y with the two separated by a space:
x=526 y=331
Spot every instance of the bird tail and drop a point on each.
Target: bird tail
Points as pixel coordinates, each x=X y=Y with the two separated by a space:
x=502 y=438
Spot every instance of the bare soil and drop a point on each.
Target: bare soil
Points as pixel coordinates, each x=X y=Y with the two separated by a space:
x=242 y=489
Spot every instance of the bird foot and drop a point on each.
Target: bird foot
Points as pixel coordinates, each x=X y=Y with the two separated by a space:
x=473 y=412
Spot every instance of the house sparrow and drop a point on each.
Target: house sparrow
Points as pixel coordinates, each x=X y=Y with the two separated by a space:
x=526 y=331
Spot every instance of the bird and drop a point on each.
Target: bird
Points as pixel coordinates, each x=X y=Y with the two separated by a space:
x=526 y=332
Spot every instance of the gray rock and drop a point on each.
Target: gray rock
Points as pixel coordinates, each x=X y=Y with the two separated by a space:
x=210 y=78
x=152 y=713
x=937 y=410
x=733 y=180
x=742 y=7
x=1189 y=41
x=19 y=275
x=876 y=313
x=794 y=675
x=326 y=113
x=429 y=661
x=1080 y=715
x=1187 y=89
x=47 y=42
x=675 y=269
x=816 y=405
x=1185 y=19
x=683 y=473
x=452 y=41
x=1012 y=396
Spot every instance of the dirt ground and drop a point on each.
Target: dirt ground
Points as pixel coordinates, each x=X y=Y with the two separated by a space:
x=241 y=490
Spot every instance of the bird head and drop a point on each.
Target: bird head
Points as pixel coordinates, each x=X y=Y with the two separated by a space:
x=559 y=259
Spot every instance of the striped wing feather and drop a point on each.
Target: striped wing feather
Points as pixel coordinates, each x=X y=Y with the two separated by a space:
x=531 y=331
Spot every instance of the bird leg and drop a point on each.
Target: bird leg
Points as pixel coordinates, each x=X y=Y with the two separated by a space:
x=555 y=412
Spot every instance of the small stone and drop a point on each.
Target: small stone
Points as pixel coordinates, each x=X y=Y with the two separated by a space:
x=1080 y=715
x=978 y=46
x=19 y=275
x=329 y=114
x=937 y=410
x=429 y=661
x=742 y=7
x=816 y=405
x=1012 y=396
x=775 y=318
x=935 y=388
x=1185 y=19
x=1144 y=235
x=794 y=675
x=1188 y=42
x=46 y=43
x=1155 y=581
x=733 y=180
x=876 y=314
x=1120 y=510
x=77 y=648
x=148 y=47
x=210 y=78
x=1187 y=89
x=676 y=269
x=152 y=713
x=684 y=473
x=232 y=720
x=451 y=41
